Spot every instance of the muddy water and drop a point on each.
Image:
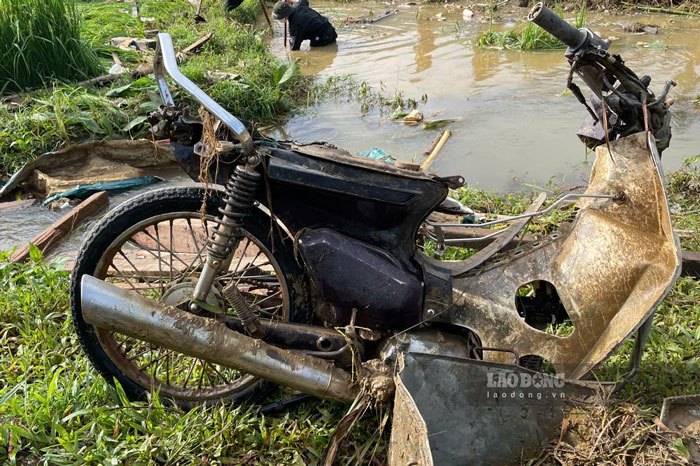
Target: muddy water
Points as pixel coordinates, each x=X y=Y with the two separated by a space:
x=515 y=125
x=17 y=227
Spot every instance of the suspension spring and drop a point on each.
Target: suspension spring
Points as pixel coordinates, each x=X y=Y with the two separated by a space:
x=238 y=200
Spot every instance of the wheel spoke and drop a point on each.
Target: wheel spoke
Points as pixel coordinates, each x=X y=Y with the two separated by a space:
x=173 y=247
x=276 y=293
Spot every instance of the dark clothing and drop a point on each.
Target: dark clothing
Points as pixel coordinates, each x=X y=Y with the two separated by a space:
x=306 y=23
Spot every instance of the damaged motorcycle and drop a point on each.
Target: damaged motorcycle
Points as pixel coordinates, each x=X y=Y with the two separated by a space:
x=304 y=266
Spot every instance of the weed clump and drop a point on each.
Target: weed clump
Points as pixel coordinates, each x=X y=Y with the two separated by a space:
x=532 y=37
x=40 y=41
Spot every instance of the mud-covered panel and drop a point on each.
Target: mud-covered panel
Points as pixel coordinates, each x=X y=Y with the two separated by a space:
x=475 y=412
x=610 y=268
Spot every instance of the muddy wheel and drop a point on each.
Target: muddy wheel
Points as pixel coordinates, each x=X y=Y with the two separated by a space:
x=155 y=245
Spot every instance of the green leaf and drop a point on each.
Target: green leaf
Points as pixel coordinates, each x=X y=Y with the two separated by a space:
x=134 y=123
x=35 y=253
x=437 y=123
x=398 y=113
x=691 y=160
x=681 y=448
x=89 y=123
x=134 y=88
x=286 y=71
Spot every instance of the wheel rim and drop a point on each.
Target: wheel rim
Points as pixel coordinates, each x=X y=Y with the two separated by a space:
x=160 y=258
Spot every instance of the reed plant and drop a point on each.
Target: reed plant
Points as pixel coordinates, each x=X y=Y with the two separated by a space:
x=40 y=42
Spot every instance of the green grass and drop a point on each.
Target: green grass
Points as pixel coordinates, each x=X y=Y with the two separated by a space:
x=532 y=37
x=367 y=96
x=235 y=67
x=40 y=41
x=55 y=409
x=70 y=115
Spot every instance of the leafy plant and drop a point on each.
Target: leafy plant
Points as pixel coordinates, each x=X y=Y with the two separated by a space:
x=40 y=41
x=532 y=37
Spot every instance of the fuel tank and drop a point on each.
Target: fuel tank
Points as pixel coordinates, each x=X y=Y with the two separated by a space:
x=350 y=274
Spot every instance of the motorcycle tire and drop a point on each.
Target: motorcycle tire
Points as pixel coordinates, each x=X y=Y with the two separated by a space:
x=180 y=207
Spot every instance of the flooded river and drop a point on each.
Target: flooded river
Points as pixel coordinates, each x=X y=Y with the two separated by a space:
x=515 y=126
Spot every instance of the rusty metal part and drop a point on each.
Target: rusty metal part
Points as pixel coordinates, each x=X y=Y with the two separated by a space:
x=290 y=335
x=611 y=267
x=453 y=411
x=165 y=62
x=109 y=307
x=504 y=238
x=250 y=321
x=682 y=413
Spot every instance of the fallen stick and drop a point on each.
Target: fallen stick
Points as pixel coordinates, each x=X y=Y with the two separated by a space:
x=104 y=79
x=48 y=238
x=267 y=16
x=432 y=145
x=367 y=19
x=441 y=143
x=663 y=10
x=194 y=46
x=115 y=58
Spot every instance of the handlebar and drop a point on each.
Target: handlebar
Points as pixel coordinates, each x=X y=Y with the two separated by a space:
x=556 y=26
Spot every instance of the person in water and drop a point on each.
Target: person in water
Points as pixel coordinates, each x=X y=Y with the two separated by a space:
x=304 y=23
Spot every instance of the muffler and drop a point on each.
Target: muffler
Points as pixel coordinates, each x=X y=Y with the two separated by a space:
x=113 y=308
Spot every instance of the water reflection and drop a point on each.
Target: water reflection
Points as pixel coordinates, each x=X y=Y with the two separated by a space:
x=519 y=126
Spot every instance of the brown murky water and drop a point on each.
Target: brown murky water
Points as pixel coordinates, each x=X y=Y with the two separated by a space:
x=516 y=126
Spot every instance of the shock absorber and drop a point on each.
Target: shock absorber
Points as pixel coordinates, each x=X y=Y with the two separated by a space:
x=238 y=200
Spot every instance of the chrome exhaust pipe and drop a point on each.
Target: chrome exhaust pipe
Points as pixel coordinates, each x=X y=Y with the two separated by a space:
x=113 y=308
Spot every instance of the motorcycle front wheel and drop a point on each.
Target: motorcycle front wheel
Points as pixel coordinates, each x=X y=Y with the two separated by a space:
x=155 y=245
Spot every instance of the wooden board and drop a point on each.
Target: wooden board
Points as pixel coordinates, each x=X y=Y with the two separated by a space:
x=64 y=225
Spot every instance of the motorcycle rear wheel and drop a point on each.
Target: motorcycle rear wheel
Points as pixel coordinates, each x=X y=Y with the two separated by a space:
x=154 y=245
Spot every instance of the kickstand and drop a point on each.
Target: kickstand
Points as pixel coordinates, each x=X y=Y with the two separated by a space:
x=637 y=352
x=277 y=406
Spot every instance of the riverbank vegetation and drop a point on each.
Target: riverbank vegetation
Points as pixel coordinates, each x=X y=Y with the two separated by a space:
x=235 y=67
x=530 y=37
x=41 y=41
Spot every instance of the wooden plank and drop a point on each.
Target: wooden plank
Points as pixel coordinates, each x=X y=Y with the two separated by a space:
x=195 y=45
x=6 y=206
x=63 y=226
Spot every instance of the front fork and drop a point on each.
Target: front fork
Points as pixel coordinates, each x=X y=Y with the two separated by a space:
x=239 y=199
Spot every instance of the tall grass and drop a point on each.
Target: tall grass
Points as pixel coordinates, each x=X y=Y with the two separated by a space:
x=532 y=37
x=40 y=41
